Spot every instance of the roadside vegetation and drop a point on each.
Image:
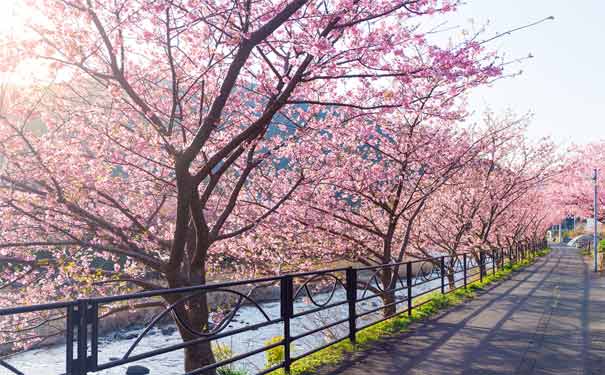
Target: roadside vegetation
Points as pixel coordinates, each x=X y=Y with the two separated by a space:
x=588 y=251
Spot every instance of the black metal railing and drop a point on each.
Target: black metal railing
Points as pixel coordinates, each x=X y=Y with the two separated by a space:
x=344 y=292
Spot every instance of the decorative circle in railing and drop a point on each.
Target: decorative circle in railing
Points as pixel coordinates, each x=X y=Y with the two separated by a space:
x=378 y=285
x=312 y=293
x=429 y=270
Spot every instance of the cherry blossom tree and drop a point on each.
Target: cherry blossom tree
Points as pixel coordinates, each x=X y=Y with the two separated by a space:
x=162 y=132
x=529 y=219
x=498 y=200
x=516 y=166
x=572 y=193
x=450 y=215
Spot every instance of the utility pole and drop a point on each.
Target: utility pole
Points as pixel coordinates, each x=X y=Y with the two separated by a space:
x=595 y=239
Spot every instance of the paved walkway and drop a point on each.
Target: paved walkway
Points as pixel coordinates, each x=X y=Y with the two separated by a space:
x=546 y=319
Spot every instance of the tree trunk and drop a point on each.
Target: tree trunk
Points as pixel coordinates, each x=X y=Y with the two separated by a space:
x=388 y=296
x=451 y=277
x=198 y=356
x=194 y=313
x=482 y=269
x=196 y=317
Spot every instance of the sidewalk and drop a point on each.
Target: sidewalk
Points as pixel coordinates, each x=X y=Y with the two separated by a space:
x=548 y=318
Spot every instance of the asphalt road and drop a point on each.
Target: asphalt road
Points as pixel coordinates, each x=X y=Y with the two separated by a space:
x=548 y=318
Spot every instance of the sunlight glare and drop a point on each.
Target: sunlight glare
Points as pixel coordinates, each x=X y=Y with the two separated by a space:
x=13 y=19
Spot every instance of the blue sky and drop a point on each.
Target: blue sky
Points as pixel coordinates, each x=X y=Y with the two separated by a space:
x=563 y=85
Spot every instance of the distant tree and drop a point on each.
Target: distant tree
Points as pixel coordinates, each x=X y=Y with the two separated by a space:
x=573 y=192
x=497 y=200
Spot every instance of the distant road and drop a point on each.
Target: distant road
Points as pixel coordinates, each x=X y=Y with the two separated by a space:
x=546 y=319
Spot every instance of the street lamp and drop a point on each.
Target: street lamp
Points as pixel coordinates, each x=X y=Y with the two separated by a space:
x=595 y=240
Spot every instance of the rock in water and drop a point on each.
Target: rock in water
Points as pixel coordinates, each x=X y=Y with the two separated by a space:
x=137 y=370
x=125 y=335
x=167 y=331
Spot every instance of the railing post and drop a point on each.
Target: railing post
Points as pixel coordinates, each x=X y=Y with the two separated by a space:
x=70 y=325
x=464 y=268
x=481 y=266
x=352 y=299
x=286 y=288
x=408 y=280
x=82 y=336
x=93 y=320
x=78 y=318
x=442 y=269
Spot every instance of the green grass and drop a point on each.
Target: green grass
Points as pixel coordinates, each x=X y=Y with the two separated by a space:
x=366 y=337
x=231 y=371
x=590 y=252
x=223 y=352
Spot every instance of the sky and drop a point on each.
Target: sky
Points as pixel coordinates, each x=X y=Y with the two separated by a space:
x=563 y=85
